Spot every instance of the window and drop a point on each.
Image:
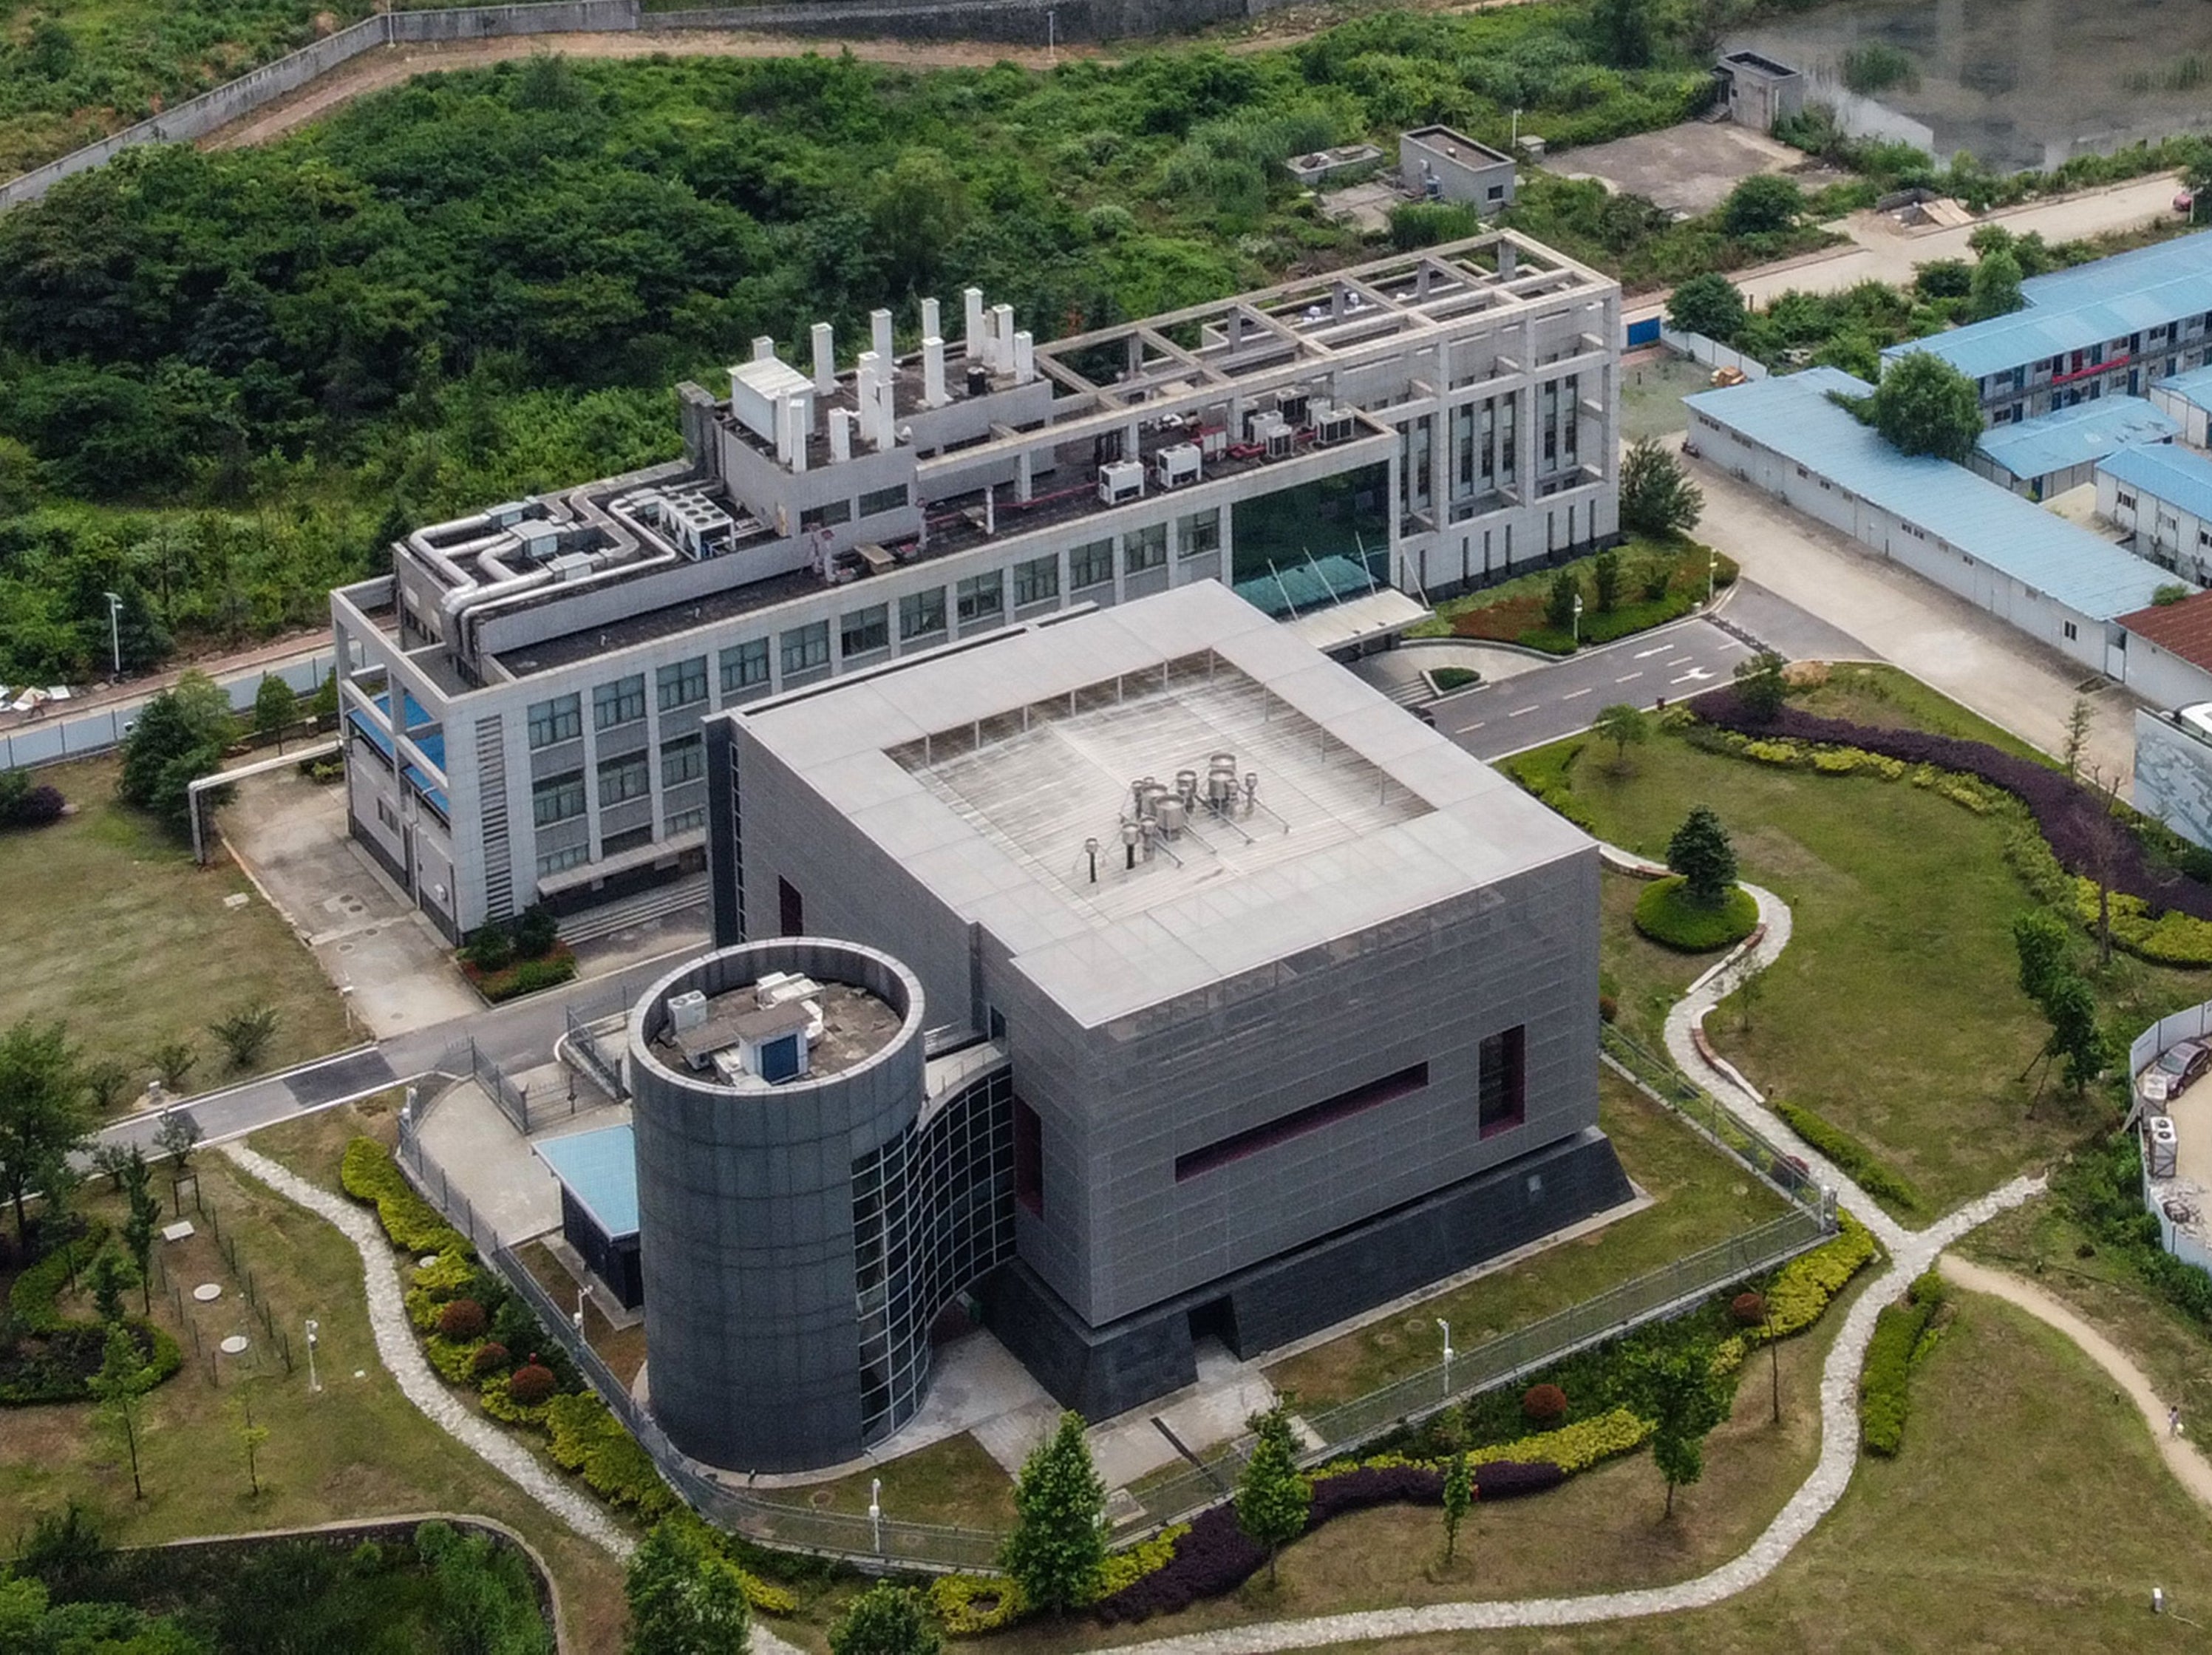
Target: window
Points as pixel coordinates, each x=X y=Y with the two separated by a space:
x=744 y=667
x=684 y=821
x=684 y=684
x=621 y=702
x=559 y=862
x=1502 y=1099
x=682 y=761
x=388 y=816
x=561 y=719
x=922 y=615
x=1199 y=533
x=866 y=630
x=980 y=597
x=1037 y=581
x=1299 y=1122
x=557 y=798
x=1497 y=192
x=622 y=779
x=1145 y=548
x=822 y=516
x=631 y=839
x=807 y=647
x=2127 y=500
x=791 y=910
x=877 y=502
x=1028 y=1158
x=1091 y=565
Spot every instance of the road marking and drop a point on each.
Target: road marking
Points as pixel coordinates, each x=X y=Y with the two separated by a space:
x=1627 y=677
x=1464 y=728
x=1696 y=674
x=1517 y=711
x=1661 y=650
x=1584 y=691
x=1682 y=660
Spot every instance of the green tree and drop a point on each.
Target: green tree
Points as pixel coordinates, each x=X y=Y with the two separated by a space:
x=109 y=1082
x=322 y=705
x=175 y=1136
x=1622 y=32
x=885 y=1620
x=142 y=1223
x=1923 y=405
x=685 y=1596
x=274 y=707
x=2045 y=948
x=1274 y=1499
x=1624 y=726
x=1656 y=496
x=43 y=1118
x=180 y=737
x=107 y=1279
x=120 y=1391
x=921 y=209
x=246 y=1034
x=2075 y=1039
x=1459 y=1498
x=172 y=1063
x=1707 y=304
x=2077 y=733
x=1559 y=601
x=1685 y=1406
x=1059 y=1543
x=1605 y=578
x=1762 y=204
x=1996 y=286
x=251 y=1437
x=1762 y=684
x=1701 y=853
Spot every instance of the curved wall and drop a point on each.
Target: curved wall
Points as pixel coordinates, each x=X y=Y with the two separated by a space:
x=745 y=1205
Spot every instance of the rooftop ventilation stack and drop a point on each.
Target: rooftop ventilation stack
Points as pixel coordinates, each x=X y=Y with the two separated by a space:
x=764 y=348
x=879 y=333
x=973 y=342
x=825 y=358
x=793 y=441
x=1002 y=339
x=933 y=372
x=1025 y=359
x=840 y=436
x=933 y=321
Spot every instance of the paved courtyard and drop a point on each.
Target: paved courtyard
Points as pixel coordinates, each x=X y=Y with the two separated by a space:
x=1686 y=168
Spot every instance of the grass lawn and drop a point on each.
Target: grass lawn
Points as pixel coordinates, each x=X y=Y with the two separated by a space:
x=1644 y=979
x=1699 y=1196
x=114 y=930
x=1894 y=1012
x=358 y=1449
x=1512 y=611
x=2029 y=1511
x=1872 y=693
x=952 y=1481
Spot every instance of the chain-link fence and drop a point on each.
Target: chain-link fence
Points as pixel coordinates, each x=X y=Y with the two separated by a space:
x=1660 y=1079
x=589 y=1054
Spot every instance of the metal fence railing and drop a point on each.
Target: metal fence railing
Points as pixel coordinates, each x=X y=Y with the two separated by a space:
x=603 y=1068
x=1659 y=1079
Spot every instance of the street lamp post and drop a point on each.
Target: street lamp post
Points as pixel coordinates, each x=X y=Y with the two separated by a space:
x=115 y=631
x=1712 y=573
x=1578 y=620
x=314 y=1329
x=876 y=1511
x=1446 y=1326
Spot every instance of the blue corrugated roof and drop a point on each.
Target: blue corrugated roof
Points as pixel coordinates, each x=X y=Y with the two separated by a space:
x=2180 y=476
x=600 y=1169
x=2090 y=304
x=2073 y=436
x=372 y=732
x=2194 y=388
x=1793 y=417
x=429 y=789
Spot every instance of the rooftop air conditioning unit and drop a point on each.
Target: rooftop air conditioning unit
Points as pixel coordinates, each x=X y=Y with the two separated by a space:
x=1331 y=423
x=1176 y=465
x=2165 y=1147
x=687 y=1010
x=1279 y=442
x=1120 y=481
x=1292 y=405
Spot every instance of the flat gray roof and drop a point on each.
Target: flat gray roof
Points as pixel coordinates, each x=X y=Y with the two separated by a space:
x=982 y=769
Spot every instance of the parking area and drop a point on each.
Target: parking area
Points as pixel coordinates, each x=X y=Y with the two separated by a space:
x=1689 y=168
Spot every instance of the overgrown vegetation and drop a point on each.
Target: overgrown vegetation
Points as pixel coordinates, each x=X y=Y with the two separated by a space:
x=1651 y=580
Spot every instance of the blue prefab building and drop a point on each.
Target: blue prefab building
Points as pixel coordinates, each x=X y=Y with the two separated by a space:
x=598 y=1175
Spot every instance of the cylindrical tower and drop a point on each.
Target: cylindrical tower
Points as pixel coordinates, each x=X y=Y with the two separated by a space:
x=773 y=1289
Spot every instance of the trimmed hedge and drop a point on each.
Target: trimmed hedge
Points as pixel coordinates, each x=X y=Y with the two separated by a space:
x=1666 y=914
x=1804 y=1285
x=1544 y=774
x=370 y=1175
x=1854 y=1160
x=2171 y=939
x=46 y=1357
x=1544 y=1404
x=588 y=1439
x=968 y=1603
x=1900 y=1333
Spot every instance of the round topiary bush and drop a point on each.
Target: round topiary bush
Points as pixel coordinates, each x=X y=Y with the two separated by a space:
x=491 y=1358
x=531 y=1384
x=1750 y=1309
x=461 y=1321
x=1608 y=1009
x=1668 y=915
x=1544 y=1405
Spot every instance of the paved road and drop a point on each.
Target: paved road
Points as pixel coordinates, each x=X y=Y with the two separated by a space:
x=1676 y=661
x=27 y=740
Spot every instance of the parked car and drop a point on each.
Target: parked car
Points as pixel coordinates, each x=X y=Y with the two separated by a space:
x=2176 y=1068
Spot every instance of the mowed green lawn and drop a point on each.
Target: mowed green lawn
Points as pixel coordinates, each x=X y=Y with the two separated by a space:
x=106 y=924
x=1894 y=1012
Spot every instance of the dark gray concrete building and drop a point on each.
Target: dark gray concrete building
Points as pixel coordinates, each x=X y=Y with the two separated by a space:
x=1252 y=1002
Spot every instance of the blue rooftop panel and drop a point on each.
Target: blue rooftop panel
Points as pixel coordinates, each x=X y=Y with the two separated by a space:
x=2140 y=267
x=2180 y=476
x=600 y=1169
x=2194 y=388
x=372 y=732
x=1793 y=417
x=2073 y=436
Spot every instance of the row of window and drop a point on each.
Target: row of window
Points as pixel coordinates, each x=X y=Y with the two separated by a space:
x=556 y=799
x=976 y=599
x=874 y=503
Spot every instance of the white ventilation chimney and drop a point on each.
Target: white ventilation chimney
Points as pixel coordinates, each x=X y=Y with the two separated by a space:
x=778 y=427
x=795 y=421
x=872 y=398
x=840 y=436
x=973 y=342
x=825 y=358
x=932 y=321
x=886 y=411
x=1025 y=359
x=764 y=348
x=880 y=324
x=1002 y=338
x=933 y=372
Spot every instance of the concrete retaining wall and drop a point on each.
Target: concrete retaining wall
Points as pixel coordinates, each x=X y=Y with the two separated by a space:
x=1029 y=22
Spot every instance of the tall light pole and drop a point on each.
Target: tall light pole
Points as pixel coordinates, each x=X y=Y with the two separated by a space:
x=1578 y=620
x=314 y=1328
x=1051 y=39
x=1712 y=572
x=876 y=1511
x=115 y=631
x=1446 y=1326
x=1516 y=141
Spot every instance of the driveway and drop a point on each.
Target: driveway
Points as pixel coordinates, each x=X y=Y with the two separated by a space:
x=1971 y=656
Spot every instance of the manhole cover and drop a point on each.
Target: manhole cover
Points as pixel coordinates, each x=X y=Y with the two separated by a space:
x=236 y=899
x=208 y=1291
x=235 y=1345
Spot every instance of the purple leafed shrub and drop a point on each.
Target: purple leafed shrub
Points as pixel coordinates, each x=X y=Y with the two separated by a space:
x=2070 y=816
x=1510 y=1479
x=1388 y=1485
